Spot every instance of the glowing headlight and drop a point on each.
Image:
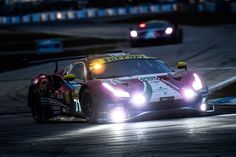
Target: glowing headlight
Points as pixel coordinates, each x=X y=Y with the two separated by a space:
x=188 y=93
x=133 y=34
x=118 y=115
x=138 y=100
x=169 y=30
x=197 y=84
x=116 y=92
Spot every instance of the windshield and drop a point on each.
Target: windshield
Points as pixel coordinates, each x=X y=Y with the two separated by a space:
x=133 y=67
x=157 y=25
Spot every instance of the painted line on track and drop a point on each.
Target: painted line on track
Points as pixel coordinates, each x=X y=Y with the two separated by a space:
x=216 y=68
x=222 y=84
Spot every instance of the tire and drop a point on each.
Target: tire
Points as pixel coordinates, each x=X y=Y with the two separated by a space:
x=88 y=107
x=39 y=112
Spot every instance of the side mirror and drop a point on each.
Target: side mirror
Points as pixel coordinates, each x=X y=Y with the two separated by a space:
x=69 y=77
x=182 y=65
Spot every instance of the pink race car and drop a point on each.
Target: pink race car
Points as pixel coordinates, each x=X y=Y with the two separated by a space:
x=116 y=87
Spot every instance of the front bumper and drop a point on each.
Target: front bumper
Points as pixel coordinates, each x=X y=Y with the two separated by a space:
x=130 y=111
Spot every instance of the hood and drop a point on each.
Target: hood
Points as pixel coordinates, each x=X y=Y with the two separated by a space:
x=153 y=86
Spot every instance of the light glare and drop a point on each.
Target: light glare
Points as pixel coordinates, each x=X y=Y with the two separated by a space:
x=133 y=33
x=118 y=115
x=138 y=100
x=203 y=107
x=59 y=15
x=116 y=92
x=197 y=84
x=169 y=30
x=188 y=93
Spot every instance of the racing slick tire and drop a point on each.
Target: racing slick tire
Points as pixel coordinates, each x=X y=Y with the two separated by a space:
x=88 y=106
x=39 y=112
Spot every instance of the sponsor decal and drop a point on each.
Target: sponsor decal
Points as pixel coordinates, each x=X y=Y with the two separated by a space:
x=116 y=58
x=157 y=90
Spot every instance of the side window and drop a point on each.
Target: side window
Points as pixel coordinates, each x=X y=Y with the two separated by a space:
x=78 y=71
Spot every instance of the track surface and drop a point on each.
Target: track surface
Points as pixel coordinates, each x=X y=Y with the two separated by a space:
x=211 y=50
x=213 y=136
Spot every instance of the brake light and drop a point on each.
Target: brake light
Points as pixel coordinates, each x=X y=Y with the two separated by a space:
x=142 y=25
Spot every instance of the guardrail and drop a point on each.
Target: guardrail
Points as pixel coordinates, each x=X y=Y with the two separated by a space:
x=90 y=13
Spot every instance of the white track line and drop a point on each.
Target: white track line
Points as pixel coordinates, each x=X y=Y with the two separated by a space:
x=223 y=83
x=217 y=68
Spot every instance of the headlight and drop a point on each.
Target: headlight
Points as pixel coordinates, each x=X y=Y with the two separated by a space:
x=169 y=30
x=188 y=93
x=133 y=34
x=197 y=84
x=116 y=92
x=138 y=100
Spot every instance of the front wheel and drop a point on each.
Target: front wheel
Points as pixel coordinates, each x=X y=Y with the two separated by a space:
x=88 y=107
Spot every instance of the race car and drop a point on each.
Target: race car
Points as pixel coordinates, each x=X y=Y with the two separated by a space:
x=116 y=87
x=155 y=32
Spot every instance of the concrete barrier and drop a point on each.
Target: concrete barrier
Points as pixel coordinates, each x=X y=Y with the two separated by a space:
x=45 y=17
x=144 y=9
x=26 y=19
x=15 y=20
x=210 y=6
x=101 y=12
x=53 y=16
x=122 y=11
x=105 y=12
x=91 y=13
x=166 y=8
x=201 y=7
x=133 y=10
x=155 y=8
x=71 y=15
x=81 y=14
x=233 y=7
x=111 y=12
